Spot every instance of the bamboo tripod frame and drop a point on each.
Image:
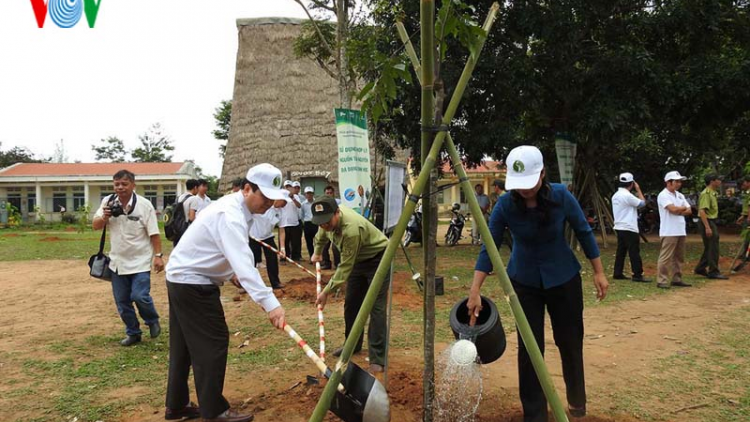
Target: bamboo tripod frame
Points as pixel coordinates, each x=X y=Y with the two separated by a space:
x=443 y=137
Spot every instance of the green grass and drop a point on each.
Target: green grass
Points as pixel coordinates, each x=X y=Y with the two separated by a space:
x=83 y=376
x=711 y=372
x=19 y=245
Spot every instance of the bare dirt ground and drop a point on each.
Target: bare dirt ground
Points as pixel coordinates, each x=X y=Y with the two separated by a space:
x=47 y=300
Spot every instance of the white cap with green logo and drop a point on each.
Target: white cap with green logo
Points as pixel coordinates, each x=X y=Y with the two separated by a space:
x=268 y=179
x=525 y=164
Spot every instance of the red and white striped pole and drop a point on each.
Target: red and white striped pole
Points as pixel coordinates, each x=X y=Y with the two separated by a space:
x=285 y=257
x=309 y=352
x=321 y=327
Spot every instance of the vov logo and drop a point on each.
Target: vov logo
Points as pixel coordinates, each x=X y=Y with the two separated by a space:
x=65 y=13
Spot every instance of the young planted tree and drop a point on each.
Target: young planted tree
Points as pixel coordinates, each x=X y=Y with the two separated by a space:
x=155 y=145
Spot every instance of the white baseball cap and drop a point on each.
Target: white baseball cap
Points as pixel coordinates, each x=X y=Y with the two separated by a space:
x=525 y=164
x=674 y=175
x=309 y=189
x=287 y=183
x=626 y=177
x=295 y=184
x=268 y=179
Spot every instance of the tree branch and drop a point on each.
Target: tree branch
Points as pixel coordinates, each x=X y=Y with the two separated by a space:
x=326 y=68
x=317 y=29
x=323 y=5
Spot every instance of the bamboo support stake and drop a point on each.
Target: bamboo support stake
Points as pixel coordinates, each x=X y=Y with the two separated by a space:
x=326 y=397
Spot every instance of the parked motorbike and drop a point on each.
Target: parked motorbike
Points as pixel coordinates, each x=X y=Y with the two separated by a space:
x=414 y=229
x=458 y=221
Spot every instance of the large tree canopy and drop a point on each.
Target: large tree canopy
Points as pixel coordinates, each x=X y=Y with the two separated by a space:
x=641 y=86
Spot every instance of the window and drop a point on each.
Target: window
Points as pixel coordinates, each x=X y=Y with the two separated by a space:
x=151 y=196
x=59 y=202
x=169 y=198
x=31 y=202
x=441 y=197
x=77 y=188
x=14 y=199
x=79 y=200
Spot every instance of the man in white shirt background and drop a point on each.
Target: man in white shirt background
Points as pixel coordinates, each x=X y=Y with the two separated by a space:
x=625 y=211
x=135 y=244
x=262 y=229
x=296 y=188
x=198 y=202
x=291 y=224
x=213 y=250
x=309 y=228
x=673 y=208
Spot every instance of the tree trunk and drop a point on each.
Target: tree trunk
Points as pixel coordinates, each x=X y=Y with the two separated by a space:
x=342 y=63
x=429 y=221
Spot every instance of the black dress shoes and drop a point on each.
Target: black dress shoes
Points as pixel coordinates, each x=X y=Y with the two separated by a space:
x=191 y=411
x=130 y=340
x=230 y=416
x=154 y=329
x=718 y=276
x=640 y=279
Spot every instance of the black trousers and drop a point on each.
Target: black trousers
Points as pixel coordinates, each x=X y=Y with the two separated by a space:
x=356 y=288
x=327 y=256
x=628 y=243
x=710 y=257
x=310 y=231
x=198 y=337
x=293 y=242
x=565 y=306
x=272 y=260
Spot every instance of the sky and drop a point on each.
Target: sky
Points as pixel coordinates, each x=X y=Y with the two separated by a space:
x=145 y=61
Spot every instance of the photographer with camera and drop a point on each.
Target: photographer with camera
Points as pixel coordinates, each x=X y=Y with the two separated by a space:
x=134 y=244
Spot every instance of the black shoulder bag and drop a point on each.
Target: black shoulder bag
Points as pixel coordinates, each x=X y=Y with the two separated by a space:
x=99 y=263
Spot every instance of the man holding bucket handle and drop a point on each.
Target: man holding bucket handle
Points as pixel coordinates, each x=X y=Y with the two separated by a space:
x=545 y=273
x=361 y=245
x=214 y=251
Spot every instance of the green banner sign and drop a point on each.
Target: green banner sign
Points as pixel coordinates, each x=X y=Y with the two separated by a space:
x=354 y=157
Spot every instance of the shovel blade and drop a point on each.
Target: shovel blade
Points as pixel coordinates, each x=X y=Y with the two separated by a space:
x=365 y=399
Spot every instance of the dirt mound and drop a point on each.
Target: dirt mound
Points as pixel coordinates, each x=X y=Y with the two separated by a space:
x=11 y=235
x=303 y=289
x=51 y=239
x=404 y=290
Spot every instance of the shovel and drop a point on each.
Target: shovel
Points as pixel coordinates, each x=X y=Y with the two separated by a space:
x=360 y=397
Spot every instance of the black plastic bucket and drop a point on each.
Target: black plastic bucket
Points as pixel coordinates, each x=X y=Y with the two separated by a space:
x=487 y=334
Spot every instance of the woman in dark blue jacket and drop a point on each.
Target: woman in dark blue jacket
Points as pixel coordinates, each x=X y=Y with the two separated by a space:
x=544 y=271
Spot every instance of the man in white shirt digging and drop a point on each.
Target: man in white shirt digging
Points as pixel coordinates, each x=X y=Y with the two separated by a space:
x=213 y=250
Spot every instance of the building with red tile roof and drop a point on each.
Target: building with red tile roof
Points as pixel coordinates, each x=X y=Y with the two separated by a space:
x=55 y=186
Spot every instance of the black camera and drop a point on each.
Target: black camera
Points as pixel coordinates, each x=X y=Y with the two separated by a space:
x=116 y=209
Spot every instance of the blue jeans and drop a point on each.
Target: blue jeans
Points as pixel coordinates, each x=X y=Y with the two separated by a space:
x=134 y=288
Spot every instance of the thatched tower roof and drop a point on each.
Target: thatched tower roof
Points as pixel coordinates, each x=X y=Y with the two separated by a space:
x=282 y=112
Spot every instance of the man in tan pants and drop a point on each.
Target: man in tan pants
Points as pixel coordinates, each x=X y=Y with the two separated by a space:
x=673 y=207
